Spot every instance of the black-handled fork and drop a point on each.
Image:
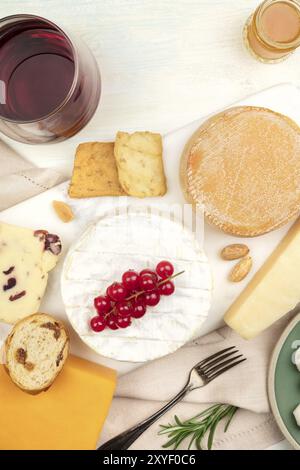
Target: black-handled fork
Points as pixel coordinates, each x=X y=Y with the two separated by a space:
x=200 y=375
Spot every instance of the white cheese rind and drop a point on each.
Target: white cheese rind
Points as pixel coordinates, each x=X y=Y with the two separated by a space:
x=296 y=413
x=21 y=250
x=297 y=359
x=135 y=241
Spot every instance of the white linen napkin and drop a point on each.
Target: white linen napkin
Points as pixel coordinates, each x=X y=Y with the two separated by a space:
x=20 y=180
x=146 y=389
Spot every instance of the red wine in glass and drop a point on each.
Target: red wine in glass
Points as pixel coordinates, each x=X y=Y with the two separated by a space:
x=50 y=85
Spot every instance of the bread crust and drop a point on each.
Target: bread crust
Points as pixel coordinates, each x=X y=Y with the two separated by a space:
x=65 y=350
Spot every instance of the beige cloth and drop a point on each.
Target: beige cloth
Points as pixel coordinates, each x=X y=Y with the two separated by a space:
x=148 y=388
x=20 y=180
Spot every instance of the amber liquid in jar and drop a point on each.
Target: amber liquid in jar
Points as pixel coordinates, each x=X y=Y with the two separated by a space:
x=273 y=31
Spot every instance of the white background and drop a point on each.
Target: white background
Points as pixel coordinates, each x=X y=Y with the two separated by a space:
x=163 y=63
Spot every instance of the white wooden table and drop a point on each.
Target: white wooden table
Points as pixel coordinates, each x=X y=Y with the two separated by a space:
x=163 y=63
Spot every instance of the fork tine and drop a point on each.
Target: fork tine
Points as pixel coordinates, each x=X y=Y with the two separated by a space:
x=213 y=356
x=217 y=360
x=219 y=372
x=220 y=365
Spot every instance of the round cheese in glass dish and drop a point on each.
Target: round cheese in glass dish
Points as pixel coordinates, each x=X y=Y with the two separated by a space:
x=243 y=166
x=137 y=240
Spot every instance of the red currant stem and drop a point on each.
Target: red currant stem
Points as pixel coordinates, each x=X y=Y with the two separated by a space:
x=134 y=296
x=137 y=294
x=169 y=278
x=111 y=311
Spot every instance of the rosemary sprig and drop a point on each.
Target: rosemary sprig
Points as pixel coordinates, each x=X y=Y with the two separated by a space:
x=198 y=427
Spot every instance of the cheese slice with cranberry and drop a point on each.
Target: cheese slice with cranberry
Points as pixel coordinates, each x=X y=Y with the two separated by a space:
x=134 y=240
x=26 y=257
x=273 y=291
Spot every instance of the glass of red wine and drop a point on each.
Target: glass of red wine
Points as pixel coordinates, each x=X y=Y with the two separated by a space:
x=49 y=83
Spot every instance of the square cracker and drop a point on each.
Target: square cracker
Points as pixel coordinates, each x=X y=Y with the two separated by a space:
x=95 y=171
x=140 y=164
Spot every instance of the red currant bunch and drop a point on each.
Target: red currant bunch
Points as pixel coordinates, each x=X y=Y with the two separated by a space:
x=130 y=298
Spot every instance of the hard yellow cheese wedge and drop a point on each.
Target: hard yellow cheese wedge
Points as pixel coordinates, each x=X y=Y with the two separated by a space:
x=273 y=291
x=69 y=415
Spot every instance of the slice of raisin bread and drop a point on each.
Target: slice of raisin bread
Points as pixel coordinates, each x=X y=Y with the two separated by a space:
x=36 y=350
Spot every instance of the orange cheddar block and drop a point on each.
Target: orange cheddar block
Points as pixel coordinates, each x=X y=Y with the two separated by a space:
x=69 y=415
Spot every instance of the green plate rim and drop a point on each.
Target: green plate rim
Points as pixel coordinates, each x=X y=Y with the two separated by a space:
x=271 y=382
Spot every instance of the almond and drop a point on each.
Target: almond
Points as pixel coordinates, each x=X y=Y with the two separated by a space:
x=234 y=251
x=241 y=269
x=63 y=211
